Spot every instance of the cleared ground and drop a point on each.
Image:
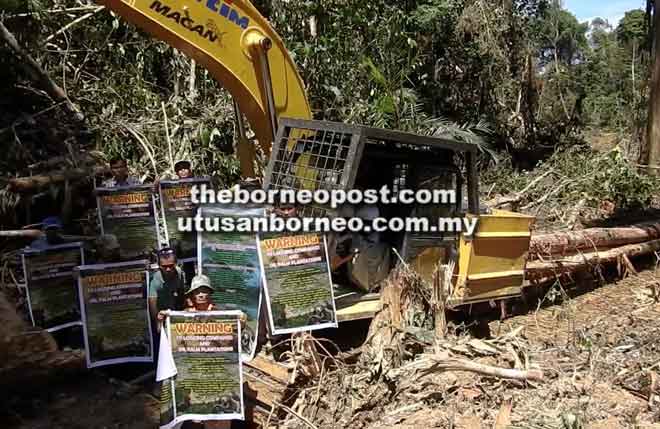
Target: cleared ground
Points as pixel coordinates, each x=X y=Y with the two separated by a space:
x=597 y=351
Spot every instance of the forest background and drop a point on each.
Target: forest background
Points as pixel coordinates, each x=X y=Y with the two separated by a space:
x=534 y=87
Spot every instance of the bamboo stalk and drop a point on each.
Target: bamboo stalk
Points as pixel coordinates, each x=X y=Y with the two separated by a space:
x=167 y=136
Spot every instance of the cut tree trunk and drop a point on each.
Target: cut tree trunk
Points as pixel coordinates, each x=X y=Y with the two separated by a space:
x=382 y=350
x=33 y=183
x=21 y=233
x=593 y=239
x=37 y=233
x=29 y=357
x=544 y=269
x=650 y=153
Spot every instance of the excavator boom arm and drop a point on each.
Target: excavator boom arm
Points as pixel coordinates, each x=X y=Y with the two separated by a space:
x=236 y=45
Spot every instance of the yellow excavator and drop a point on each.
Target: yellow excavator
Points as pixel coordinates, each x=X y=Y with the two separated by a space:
x=240 y=50
x=246 y=56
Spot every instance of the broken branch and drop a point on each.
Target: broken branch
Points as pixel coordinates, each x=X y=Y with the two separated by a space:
x=74 y=22
x=39 y=74
x=443 y=362
x=28 y=184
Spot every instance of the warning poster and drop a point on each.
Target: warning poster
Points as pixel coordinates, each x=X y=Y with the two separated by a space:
x=203 y=359
x=176 y=203
x=116 y=322
x=231 y=261
x=129 y=213
x=52 y=293
x=297 y=283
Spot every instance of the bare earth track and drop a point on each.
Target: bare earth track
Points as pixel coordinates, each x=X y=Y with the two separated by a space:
x=597 y=351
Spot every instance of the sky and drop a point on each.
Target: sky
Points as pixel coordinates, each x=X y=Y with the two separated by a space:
x=612 y=10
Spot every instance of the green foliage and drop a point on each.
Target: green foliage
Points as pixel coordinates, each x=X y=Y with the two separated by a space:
x=515 y=74
x=613 y=75
x=120 y=79
x=560 y=36
x=633 y=28
x=478 y=134
x=619 y=181
x=576 y=175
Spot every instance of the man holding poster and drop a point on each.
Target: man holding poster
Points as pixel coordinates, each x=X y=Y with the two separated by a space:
x=167 y=286
x=129 y=213
x=116 y=325
x=201 y=369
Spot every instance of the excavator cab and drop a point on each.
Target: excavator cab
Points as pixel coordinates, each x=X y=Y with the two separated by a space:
x=243 y=52
x=315 y=155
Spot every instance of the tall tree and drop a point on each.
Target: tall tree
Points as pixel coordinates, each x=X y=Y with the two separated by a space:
x=650 y=155
x=632 y=27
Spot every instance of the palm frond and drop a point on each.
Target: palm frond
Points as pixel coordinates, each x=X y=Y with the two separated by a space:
x=479 y=133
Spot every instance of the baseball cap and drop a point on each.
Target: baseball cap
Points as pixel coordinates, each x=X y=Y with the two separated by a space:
x=199 y=281
x=180 y=165
x=51 y=222
x=166 y=252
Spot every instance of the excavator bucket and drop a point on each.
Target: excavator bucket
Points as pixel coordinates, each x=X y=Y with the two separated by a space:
x=491 y=264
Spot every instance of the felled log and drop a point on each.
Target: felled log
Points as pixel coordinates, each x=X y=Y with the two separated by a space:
x=30 y=358
x=32 y=183
x=36 y=233
x=542 y=269
x=91 y=156
x=266 y=386
x=21 y=233
x=30 y=362
x=592 y=239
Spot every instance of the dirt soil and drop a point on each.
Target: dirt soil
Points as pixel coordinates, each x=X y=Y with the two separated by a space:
x=597 y=352
x=93 y=401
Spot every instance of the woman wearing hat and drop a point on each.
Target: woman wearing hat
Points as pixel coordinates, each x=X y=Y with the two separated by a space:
x=198 y=295
x=198 y=298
